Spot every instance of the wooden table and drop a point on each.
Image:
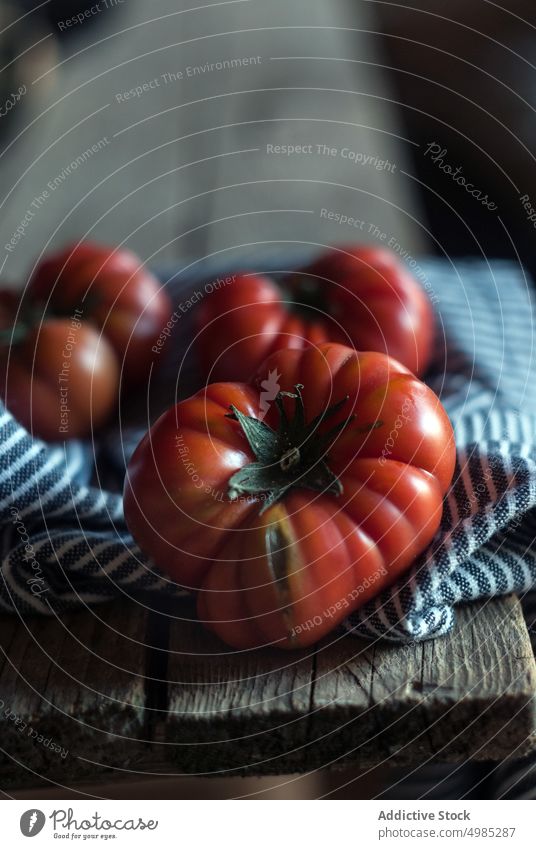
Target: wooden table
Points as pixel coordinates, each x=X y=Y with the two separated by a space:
x=124 y=692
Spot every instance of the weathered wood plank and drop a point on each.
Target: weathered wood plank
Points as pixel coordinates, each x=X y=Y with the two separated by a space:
x=72 y=692
x=91 y=687
x=492 y=682
x=243 y=711
x=469 y=694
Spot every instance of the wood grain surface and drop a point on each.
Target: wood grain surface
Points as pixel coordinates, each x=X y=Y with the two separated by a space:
x=467 y=695
x=73 y=693
x=129 y=693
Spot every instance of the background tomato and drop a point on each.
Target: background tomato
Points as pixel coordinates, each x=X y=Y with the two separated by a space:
x=113 y=290
x=60 y=380
x=358 y=296
x=284 y=533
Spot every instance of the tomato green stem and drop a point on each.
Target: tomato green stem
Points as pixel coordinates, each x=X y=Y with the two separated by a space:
x=289 y=459
x=29 y=317
x=293 y=456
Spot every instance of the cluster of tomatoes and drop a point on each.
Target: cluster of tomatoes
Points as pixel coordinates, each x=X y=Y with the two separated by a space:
x=85 y=325
x=309 y=472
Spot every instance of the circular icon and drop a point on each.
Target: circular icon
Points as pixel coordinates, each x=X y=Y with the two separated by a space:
x=31 y=822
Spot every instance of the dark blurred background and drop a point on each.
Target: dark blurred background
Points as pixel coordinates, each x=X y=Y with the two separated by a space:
x=377 y=77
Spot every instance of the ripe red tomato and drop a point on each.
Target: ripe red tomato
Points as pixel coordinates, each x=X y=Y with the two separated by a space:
x=288 y=502
x=114 y=291
x=60 y=379
x=358 y=296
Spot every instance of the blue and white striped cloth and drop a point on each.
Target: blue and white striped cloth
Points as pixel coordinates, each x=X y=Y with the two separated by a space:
x=65 y=543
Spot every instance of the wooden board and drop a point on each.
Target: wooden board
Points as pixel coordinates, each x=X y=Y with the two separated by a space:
x=73 y=693
x=230 y=710
x=130 y=694
x=469 y=694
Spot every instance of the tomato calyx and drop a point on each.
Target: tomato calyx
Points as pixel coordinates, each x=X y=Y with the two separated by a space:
x=305 y=297
x=28 y=320
x=294 y=455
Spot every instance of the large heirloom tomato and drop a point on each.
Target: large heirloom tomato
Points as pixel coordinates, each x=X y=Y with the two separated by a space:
x=288 y=502
x=358 y=296
x=114 y=291
x=59 y=377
